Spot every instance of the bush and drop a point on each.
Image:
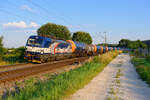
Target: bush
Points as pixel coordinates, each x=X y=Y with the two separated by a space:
x=148 y=58
x=142 y=67
x=16 y=56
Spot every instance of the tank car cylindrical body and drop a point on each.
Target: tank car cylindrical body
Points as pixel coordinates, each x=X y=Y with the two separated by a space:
x=78 y=49
x=92 y=50
x=99 y=49
x=115 y=48
x=104 y=49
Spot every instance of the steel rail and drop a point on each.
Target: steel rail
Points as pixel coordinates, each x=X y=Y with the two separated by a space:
x=16 y=74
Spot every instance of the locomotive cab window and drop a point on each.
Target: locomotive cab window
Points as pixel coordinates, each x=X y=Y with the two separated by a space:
x=47 y=44
x=34 y=42
x=63 y=45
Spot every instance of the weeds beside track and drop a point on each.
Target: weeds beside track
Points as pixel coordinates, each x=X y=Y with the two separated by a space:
x=59 y=86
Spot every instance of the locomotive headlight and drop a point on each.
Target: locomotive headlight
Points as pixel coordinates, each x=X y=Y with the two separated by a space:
x=42 y=51
x=28 y=49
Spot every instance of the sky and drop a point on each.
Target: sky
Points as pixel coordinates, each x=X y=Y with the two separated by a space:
x=128 y=19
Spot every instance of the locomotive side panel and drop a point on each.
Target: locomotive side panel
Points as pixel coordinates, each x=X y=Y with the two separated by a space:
x=63 y=50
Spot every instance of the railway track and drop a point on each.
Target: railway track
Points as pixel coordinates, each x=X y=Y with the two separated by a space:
x=20 y=73
x=13 y=65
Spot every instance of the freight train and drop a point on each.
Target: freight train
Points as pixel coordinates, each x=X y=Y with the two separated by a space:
x=42 y=49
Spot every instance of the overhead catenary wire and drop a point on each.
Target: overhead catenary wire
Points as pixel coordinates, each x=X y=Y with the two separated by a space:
x=46 y=10
x=68 y=17
x=10 y=13
x=104 y=37
x=60 y=16
x=16 y=6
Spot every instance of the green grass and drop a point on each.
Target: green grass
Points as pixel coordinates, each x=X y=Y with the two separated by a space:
x=12 y=59
x=63 y=85
x=142 y=67
x=108 y=98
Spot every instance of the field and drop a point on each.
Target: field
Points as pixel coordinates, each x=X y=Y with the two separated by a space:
x=63 y=85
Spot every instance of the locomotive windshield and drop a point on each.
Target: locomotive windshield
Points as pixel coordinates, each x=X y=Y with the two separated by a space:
x=34 y=41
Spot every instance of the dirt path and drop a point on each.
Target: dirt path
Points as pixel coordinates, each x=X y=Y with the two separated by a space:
x=118 y=81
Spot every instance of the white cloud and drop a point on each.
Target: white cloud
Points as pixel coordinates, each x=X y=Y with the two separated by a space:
x=33 y=25
x=26 y=7
x=20 y=25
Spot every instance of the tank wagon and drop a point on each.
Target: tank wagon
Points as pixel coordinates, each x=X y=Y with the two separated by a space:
x=44 y=49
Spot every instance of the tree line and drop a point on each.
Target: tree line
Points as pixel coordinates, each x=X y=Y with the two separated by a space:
x=62 y=32
x=125 y=43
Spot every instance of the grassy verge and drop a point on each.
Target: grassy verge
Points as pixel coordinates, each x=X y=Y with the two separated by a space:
x=12 y=59
x=59 y=86
x=143 y=67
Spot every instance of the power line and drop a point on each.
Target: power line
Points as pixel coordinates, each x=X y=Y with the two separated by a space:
x=68 y=17
x=60 y=16
x=37 y=5
x=44 y=9
x=16 y=6
x=59 y=12
x=4 y=11
x=103 y=37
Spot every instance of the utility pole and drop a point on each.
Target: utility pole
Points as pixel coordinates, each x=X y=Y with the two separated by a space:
x=105 y=39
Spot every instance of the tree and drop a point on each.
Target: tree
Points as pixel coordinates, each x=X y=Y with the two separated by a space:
x=82 y=37
x=55 y=31
x=124 y=43
x=141 y=44
x=1 y=47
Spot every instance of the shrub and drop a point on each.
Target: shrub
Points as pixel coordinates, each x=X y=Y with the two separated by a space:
x=148 y=57
x=142 y=67
x=16 y=56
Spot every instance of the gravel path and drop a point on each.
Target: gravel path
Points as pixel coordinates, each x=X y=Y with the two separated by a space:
x=118 y=81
